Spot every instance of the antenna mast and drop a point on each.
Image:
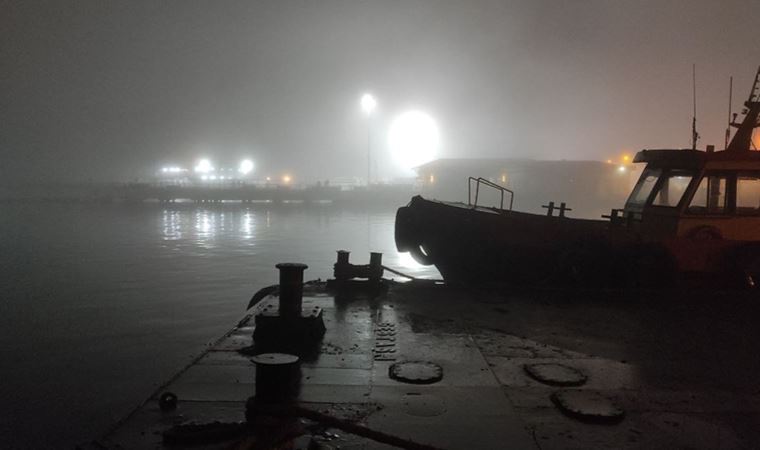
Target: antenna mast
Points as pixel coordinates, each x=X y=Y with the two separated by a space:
x=730 y=98
x=694 y=134
x=742 y=140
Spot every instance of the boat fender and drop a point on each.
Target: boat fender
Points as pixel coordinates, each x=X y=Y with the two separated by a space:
x=419 y=255
x=406 y=233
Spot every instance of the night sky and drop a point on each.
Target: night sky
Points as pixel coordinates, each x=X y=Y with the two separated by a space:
x=112 y=90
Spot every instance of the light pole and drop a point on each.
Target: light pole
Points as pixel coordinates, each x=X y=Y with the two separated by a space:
x=368 y=104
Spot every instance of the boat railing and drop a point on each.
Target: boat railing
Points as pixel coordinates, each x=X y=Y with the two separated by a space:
x=480 y=180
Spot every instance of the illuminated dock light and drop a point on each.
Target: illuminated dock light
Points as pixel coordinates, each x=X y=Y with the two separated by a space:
x=621 y=169
x=246 y=167
x=368 y=103
x=172 y=170
x=413 y=139
x=204 y=166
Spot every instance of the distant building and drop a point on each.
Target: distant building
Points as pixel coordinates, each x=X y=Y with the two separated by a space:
x=590 y=188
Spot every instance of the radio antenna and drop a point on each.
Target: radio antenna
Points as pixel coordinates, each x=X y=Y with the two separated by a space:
x=694 y=134
x=730 y=98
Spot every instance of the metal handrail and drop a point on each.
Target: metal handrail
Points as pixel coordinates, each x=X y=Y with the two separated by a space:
x=488 y=183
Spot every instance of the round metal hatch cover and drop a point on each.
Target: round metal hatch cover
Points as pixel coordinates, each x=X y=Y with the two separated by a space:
x=555 y=374
x=274 y=359
x=416 y=372
x=587 y=406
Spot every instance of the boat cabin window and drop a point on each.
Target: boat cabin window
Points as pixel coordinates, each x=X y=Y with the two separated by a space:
x=710 y=197
x=644 y=186
x=748 y=194
x=672 y=188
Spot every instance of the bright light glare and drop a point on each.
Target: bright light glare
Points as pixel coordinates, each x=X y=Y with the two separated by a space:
x=407 y=261
x=204 y=166
x=286 y=179
x=171 y=169
x=621 y=169
x=246 y=167
x=368 y=103
x=413 y=139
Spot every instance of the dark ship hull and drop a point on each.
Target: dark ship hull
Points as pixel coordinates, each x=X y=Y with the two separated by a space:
x=475 y=244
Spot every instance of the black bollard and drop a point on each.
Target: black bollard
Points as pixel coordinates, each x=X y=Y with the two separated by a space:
x=291 y=289
x=343 y=256
x=375 y=267
x=278 y=377
x=342 y=268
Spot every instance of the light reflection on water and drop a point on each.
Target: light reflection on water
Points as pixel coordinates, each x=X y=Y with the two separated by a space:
x=293 y=234
x=130 y=293
x=203 y=226
x=172 y=229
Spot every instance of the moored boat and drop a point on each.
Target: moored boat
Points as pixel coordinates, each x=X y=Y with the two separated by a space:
x=692 y=213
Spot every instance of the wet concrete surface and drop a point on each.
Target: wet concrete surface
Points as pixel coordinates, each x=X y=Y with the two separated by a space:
x=682 y=366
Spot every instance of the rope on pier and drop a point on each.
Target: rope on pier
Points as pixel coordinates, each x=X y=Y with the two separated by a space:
x=401 y=274
x=341 y=424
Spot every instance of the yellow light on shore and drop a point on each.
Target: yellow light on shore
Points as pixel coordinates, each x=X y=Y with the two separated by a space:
x=286 y=179
x=626 y=159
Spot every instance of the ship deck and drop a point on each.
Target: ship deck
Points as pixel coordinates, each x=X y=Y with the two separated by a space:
x=681 y=365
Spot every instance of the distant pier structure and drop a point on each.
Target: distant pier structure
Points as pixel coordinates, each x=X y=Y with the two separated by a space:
x=269 y=193
x=244 y=193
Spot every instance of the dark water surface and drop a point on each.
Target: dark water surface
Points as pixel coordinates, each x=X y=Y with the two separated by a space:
x=101 y=304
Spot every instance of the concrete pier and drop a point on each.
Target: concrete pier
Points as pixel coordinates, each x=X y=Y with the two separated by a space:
x=680 y=367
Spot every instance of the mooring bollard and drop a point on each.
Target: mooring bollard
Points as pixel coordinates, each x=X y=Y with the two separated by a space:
x=278 y=377
x=343 y=256
x=375 y=266
x=341 y=270
x=291 y=289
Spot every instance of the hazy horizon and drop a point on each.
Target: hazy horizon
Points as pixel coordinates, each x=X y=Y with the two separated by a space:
x=110 y=91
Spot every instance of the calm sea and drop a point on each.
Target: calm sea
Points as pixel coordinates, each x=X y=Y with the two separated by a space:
x=101 y=304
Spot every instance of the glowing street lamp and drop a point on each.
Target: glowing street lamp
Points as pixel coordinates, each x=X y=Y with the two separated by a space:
x=368 y=105
x=246 y=167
